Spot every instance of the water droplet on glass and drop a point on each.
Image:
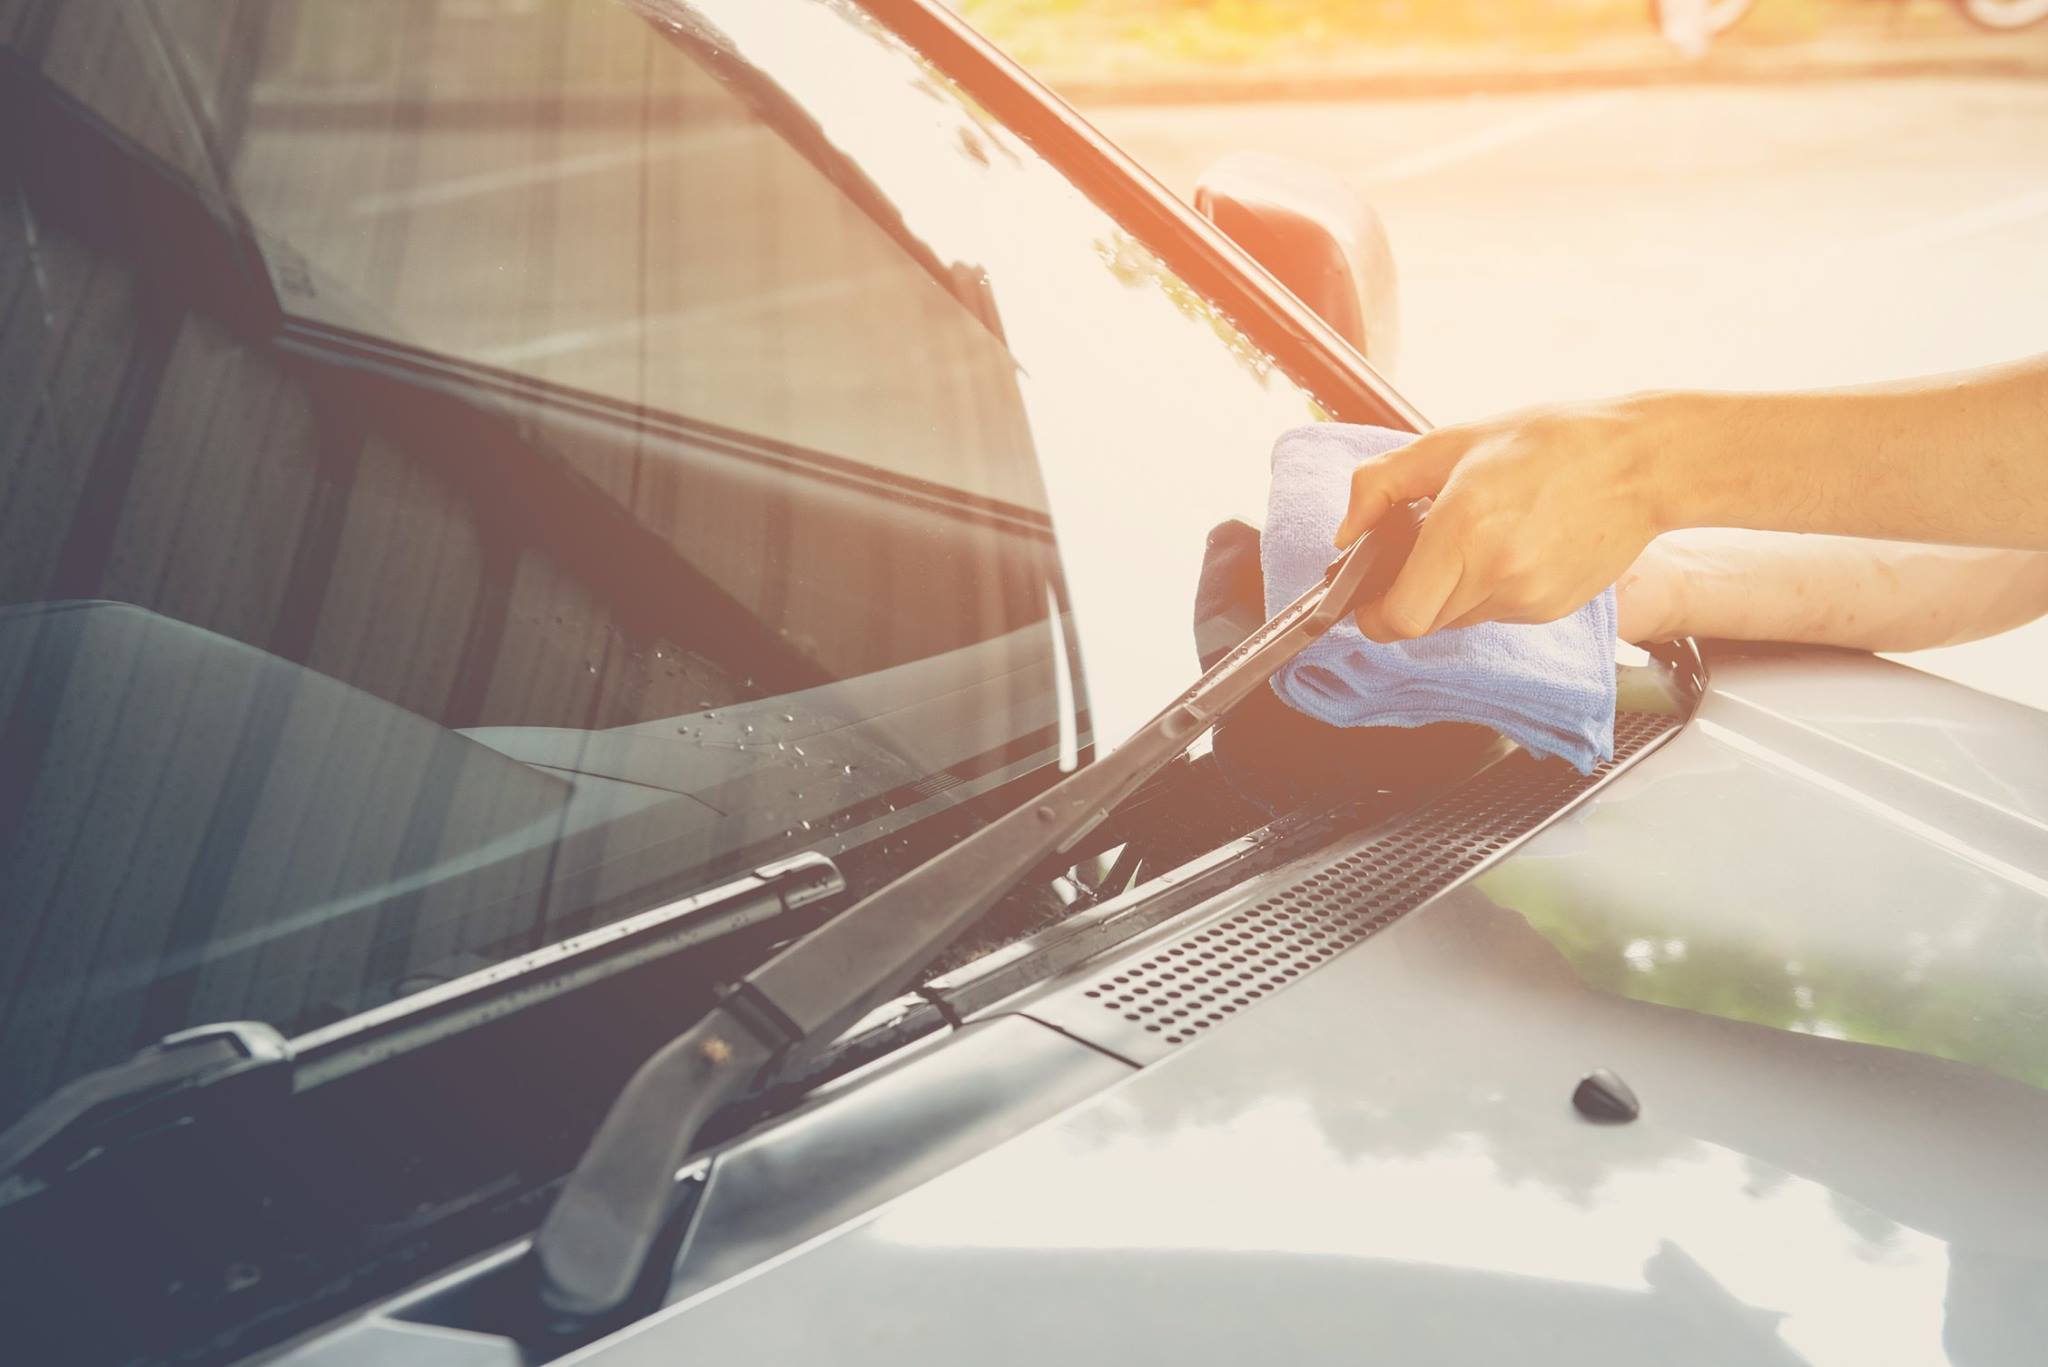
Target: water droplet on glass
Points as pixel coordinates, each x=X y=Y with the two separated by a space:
x=682 y=730
x=787 y=716
x=748 y=728
x=807 y=825
x=590 y=665
x=799 y=749
x=782 y=745
x=713 y=716
x=846 y=768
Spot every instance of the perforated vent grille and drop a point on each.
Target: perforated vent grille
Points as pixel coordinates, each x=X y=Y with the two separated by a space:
x=1184 y=988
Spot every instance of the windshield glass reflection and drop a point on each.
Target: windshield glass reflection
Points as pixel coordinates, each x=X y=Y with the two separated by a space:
x=693 y=433
x=1151 y=412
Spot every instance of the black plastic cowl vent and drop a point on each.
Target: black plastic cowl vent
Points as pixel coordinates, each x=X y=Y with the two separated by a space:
x=1180 y=988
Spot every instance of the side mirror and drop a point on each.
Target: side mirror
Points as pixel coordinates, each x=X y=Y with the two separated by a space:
x=1318 y=237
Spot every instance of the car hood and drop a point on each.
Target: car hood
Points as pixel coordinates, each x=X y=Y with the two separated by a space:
x=1807 y=933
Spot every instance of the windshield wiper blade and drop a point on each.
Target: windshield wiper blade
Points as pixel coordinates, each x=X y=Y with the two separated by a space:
x=206 y=1068
x=593 y=1246
x=578 y=963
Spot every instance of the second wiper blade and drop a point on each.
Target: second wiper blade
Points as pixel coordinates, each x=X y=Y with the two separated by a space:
x=213 y=1066
x=157 y=1085
x=594 y=1244
x=574 y=964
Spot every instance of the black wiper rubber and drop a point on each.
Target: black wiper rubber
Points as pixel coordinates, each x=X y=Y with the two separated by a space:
x=594 y=1244
x=576 y=964
x=201 y=1069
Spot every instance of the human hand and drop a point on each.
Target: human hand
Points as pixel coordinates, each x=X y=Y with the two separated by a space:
x=1534 y=515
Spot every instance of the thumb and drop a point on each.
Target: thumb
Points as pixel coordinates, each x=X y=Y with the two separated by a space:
x=1426 y=582
x=1416 y=470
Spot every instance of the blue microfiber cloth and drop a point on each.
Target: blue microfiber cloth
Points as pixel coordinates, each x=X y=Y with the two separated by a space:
x=1549 y=688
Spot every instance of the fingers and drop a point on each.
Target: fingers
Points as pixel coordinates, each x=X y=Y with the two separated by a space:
x=1468 y=603
x=1421 y=589
x=1371 y=496
x=1414 y=471
x=1472 y=617
x=1504 y=604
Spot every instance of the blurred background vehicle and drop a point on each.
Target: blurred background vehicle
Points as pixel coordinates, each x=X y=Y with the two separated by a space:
x=1691 y=24
x=2004 y=14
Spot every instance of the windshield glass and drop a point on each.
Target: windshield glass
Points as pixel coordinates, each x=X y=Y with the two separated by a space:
x=476 y=467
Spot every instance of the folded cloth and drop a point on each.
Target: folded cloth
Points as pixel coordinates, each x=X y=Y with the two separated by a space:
x=1549 y=687
x=1280 y=760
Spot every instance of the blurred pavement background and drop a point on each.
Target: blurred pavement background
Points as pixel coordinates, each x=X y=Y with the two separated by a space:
x=1223 y=49
x=1600 y=235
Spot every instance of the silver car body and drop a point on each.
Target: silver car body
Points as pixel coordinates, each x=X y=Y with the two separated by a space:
x=1808 y=928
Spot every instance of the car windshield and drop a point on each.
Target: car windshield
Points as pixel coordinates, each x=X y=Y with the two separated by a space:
x=474 y=468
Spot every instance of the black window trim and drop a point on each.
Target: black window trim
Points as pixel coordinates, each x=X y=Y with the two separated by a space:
x=1192 y=247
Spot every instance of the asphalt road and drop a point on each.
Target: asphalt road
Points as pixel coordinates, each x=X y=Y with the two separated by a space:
x=1759 y=236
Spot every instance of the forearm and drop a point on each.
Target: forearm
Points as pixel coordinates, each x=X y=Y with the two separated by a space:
x=1959 y=459
x=1828 y=590
x=1536 y=511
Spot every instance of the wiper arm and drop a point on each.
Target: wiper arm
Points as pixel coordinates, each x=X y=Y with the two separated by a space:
x=594 y=1245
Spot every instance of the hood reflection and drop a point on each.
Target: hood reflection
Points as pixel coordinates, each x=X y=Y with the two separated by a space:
x=1799 y=908
x=1404 y=1113
x=1848 y=1287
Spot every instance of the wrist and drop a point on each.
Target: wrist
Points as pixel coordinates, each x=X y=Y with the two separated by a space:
x=1654 y=596
x=1661 y=459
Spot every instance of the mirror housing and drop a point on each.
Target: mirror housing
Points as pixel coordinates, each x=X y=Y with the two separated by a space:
x=1318 y=237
